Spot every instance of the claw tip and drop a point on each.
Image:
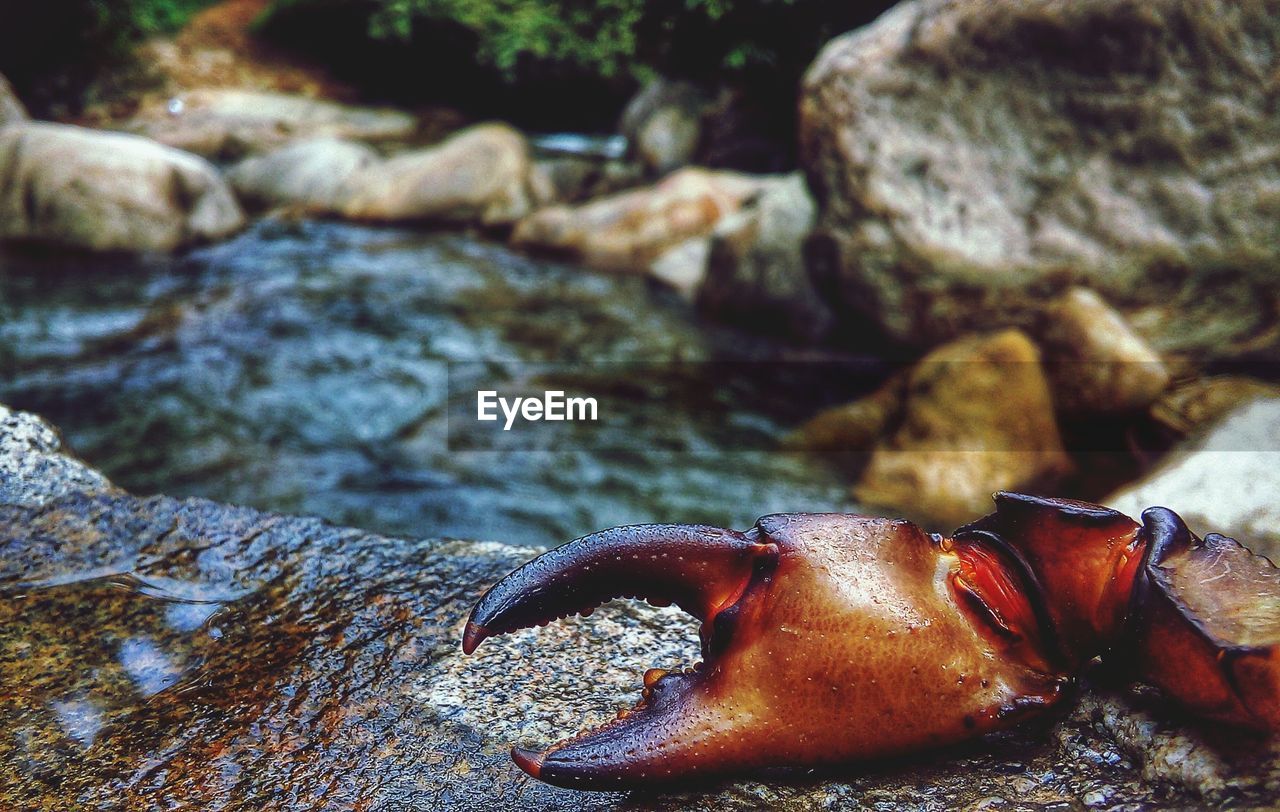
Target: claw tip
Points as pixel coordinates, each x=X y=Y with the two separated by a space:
x=527 y=760
x=472 y=637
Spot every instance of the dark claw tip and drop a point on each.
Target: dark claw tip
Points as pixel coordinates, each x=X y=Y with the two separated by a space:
x=472 y=637
x=527 y=760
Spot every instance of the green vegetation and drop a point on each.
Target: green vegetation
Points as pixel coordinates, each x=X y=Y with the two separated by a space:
x=555 y=52
x=52 y=49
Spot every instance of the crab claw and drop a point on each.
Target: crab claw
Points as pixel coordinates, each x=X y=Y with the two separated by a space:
x=826 y=638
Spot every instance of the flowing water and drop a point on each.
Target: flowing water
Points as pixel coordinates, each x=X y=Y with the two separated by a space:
x=331 y=369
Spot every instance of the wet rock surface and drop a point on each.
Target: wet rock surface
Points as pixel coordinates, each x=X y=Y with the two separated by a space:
x=101 y=191
x=185 y=654
x=972 y=158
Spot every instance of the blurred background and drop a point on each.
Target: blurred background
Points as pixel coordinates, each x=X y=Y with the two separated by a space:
x=267 y=251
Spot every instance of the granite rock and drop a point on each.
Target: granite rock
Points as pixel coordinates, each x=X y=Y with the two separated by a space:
x=973 y=158
x=174 y=654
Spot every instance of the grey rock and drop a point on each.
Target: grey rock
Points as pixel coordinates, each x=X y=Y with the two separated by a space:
x=107 y=191
x=34 y=467
x=756 y=274
x=230 y=123
x=191 y=655
x=1224 y=480
x=972 y=158
x=663 y=123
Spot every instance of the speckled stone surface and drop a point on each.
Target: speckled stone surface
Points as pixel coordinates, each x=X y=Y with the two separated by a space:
x=164 y=654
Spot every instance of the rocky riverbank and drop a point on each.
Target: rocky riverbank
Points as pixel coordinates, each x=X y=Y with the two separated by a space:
x=186 y=652
x=944 y=195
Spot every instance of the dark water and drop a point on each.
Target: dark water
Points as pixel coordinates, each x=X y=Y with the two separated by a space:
x=306 y=367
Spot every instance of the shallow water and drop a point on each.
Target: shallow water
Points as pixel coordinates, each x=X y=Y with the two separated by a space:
x=331 y=369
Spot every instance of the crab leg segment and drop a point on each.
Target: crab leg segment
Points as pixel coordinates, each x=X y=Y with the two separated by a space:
x=1207 y=626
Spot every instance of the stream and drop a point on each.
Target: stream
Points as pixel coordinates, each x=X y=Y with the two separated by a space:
x=331 y=369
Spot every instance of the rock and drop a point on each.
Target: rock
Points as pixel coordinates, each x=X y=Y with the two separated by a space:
x=978 y=418
x=662 y=124
x=1223 y=481
x=105 y=191
x=629 y=230
x=1097 y=364
x=855 y=426
x=229 y=123
x=188 y=654
x=11 y=108
x=314 y=175
x=1196 y=404
x=683 y=267
x=34 y=468
x=971 y=158
x=756 y=274
x=574 y=179
x=481 y=174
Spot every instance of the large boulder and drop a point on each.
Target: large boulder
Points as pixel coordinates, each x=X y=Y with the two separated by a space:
x=977 y=418
x=11 y=109
x=973 y=157
x=756 y=274
x=630 y=230
x=482 y=174
x=226 y=123
x=190 y=655
x=312 y=175
x=1224 y=479
x=106 y=191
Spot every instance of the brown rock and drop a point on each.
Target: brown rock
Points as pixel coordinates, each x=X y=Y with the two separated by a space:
x=628 y=231
x=481 y=174
x=1197 y=404
x=972 y=157
x=978 y=418
x=1096 y=362
x=107 y=191
x=855 y=426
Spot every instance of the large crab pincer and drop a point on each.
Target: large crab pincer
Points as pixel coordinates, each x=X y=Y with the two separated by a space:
x=828 y=638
